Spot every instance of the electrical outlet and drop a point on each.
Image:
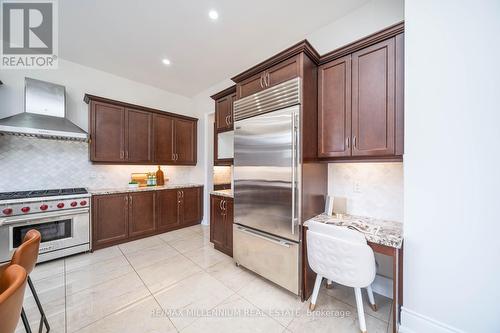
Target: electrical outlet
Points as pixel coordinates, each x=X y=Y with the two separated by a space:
x=357 y=187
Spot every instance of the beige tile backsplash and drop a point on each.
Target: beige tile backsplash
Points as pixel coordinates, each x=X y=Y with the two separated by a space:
x=371 y=189
x=222 y=175
x=32 y=163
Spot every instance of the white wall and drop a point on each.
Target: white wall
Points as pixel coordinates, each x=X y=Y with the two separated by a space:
x=203 y=107
x=28 y=163
x=451 y=180
x=365 y=20
x=79 y=80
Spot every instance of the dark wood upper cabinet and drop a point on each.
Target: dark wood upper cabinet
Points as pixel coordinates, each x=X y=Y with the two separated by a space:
x=361 y=100
x=283 y=71
x=107 y=132
x=168 y=215
x=334 y=108
x=373 y=102
x=142 y=213
x=185 y=142
x=221 y=223
x=224 y=113
x=139 y=136
x=163 y=139
x=224 y=122
x=224 y=109
x=109 y=220
x=130 y=134
x=251 y=85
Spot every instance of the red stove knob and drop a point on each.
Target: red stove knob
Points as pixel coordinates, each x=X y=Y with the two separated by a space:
x=83 y=202
x=7 y=211
x=60 y=205
x=44 y=207
x=74 y=203
x=25 y=209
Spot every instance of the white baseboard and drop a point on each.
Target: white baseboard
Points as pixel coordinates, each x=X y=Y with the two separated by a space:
x=382 y=286
x=413 y=322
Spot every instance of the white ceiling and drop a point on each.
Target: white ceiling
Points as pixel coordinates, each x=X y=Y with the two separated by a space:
x=129 y=38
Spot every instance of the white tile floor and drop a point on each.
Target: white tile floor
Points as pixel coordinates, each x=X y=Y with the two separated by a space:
x=177 y=282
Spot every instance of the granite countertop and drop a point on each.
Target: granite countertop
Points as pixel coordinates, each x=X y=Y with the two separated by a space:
x=223 y=193
x=99 y=191
x=383 y=232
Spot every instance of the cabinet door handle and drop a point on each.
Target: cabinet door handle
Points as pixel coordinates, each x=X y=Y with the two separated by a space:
x=227 y=120
x=220 y=204
x=126 y=200
x=126 y=154
x=176 y=156
x=268 y=81
x=261 y=84
x=121 y=154
x=354 y=143
x=131 y=200
x=347 y=142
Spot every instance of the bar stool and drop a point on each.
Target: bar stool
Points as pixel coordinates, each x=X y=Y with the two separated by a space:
x=12 y=287
x=25 y=256
x=341 y=255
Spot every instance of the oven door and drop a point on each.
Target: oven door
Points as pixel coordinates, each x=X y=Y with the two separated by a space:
x=62 y=233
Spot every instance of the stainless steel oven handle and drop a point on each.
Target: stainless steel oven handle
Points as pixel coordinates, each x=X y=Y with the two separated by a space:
x=26 y=218
x=264 y=237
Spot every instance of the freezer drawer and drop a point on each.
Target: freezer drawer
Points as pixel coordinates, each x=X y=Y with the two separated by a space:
x=271 y=257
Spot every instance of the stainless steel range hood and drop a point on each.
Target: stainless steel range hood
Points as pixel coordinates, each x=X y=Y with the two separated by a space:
x=44 y=114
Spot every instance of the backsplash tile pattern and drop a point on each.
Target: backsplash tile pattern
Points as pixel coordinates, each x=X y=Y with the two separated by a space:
x=32 y=163
x=380 y=191
x=222 y=175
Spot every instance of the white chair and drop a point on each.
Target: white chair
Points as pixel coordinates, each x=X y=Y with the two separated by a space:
x=341 y=255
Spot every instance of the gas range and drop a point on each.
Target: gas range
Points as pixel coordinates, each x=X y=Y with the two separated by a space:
x=39 y=201
x=62 y=216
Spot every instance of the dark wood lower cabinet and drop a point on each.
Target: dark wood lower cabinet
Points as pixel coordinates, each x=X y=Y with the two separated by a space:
x=122 y=217
x=221 y=223
x=109 y=220
x=168 y=215
x=142 y=213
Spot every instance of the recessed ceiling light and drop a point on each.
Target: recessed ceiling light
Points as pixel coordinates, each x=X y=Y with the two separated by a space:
x=213 y=15
x=166 y=61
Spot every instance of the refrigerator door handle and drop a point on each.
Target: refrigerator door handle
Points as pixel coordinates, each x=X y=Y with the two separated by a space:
x=257 y=234
x=294 y=169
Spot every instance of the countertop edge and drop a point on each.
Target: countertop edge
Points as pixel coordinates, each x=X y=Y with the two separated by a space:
x=105 y=191
x=222 y=193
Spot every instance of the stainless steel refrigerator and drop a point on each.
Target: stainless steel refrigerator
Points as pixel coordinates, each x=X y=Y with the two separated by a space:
x=266 y=235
